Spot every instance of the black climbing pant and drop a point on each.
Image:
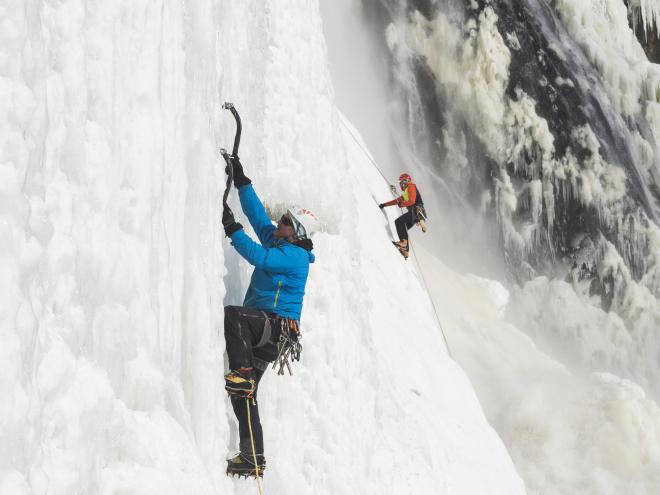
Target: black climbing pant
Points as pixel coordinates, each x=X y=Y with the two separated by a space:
x=250 y=339
x=240 y=405
x=403 y=223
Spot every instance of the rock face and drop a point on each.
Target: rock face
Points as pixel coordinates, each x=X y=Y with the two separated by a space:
x=650 y=41
x=648 y=37
x=569 y=96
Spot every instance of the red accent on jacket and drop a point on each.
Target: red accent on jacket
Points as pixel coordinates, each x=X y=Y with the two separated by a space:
x=410 y=192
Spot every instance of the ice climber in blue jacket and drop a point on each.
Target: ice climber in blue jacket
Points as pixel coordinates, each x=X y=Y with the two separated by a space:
x=266 y=327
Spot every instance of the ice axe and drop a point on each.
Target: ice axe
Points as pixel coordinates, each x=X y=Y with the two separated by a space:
x=234 y=154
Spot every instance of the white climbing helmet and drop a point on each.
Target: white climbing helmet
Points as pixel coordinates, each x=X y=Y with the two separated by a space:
x=305 y=222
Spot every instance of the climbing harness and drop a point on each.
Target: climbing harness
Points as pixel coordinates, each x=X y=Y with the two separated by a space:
x=234 y=153
x=288 y=345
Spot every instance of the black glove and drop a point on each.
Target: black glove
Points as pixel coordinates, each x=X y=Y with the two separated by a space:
x=239 y=176
x=229 y=222
x=381 y=206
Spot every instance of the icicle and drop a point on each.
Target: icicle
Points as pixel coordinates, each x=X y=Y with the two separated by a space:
x=536 y=200
x=648 y=11
x=549 y=200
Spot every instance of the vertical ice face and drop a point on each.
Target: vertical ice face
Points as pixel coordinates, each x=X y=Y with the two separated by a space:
x=100 y=111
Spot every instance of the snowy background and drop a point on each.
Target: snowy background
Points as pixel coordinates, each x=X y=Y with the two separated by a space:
x=114 y=269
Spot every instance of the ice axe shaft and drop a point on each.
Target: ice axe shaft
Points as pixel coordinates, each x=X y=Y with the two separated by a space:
x=239 y=127
x=227 y=157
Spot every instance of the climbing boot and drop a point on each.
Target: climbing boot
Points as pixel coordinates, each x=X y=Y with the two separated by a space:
x=403 y=247
x=243 y=465
x=401 y=244
x=240 y=382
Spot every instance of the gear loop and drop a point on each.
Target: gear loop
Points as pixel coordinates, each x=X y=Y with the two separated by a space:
x=288 y=345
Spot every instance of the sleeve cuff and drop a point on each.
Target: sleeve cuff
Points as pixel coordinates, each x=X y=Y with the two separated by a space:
x=232 y=229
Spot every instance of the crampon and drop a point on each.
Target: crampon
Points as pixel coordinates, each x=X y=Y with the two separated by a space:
x=403 y=248
x=242 y=465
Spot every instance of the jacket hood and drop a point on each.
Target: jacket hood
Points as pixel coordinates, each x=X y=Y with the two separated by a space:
x=307 y=245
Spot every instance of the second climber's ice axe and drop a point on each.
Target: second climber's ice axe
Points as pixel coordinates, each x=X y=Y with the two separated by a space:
x=234 y=153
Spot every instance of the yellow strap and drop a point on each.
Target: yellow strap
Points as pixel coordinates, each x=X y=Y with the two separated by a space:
x=254 y=452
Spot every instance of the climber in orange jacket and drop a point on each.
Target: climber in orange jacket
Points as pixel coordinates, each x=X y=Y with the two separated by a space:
x=411 y=199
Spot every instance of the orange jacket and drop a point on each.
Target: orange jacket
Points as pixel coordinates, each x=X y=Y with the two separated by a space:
x=408 y=198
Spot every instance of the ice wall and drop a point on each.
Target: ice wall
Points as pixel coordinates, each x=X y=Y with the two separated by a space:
x=115 y=270
x=102 y=114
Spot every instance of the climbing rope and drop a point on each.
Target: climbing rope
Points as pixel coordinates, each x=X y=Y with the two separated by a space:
x=426 y=287
x=366 y=153
x=419 y=267
x=254 y=452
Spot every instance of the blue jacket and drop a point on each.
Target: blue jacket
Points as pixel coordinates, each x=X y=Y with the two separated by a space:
x=281 y=268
